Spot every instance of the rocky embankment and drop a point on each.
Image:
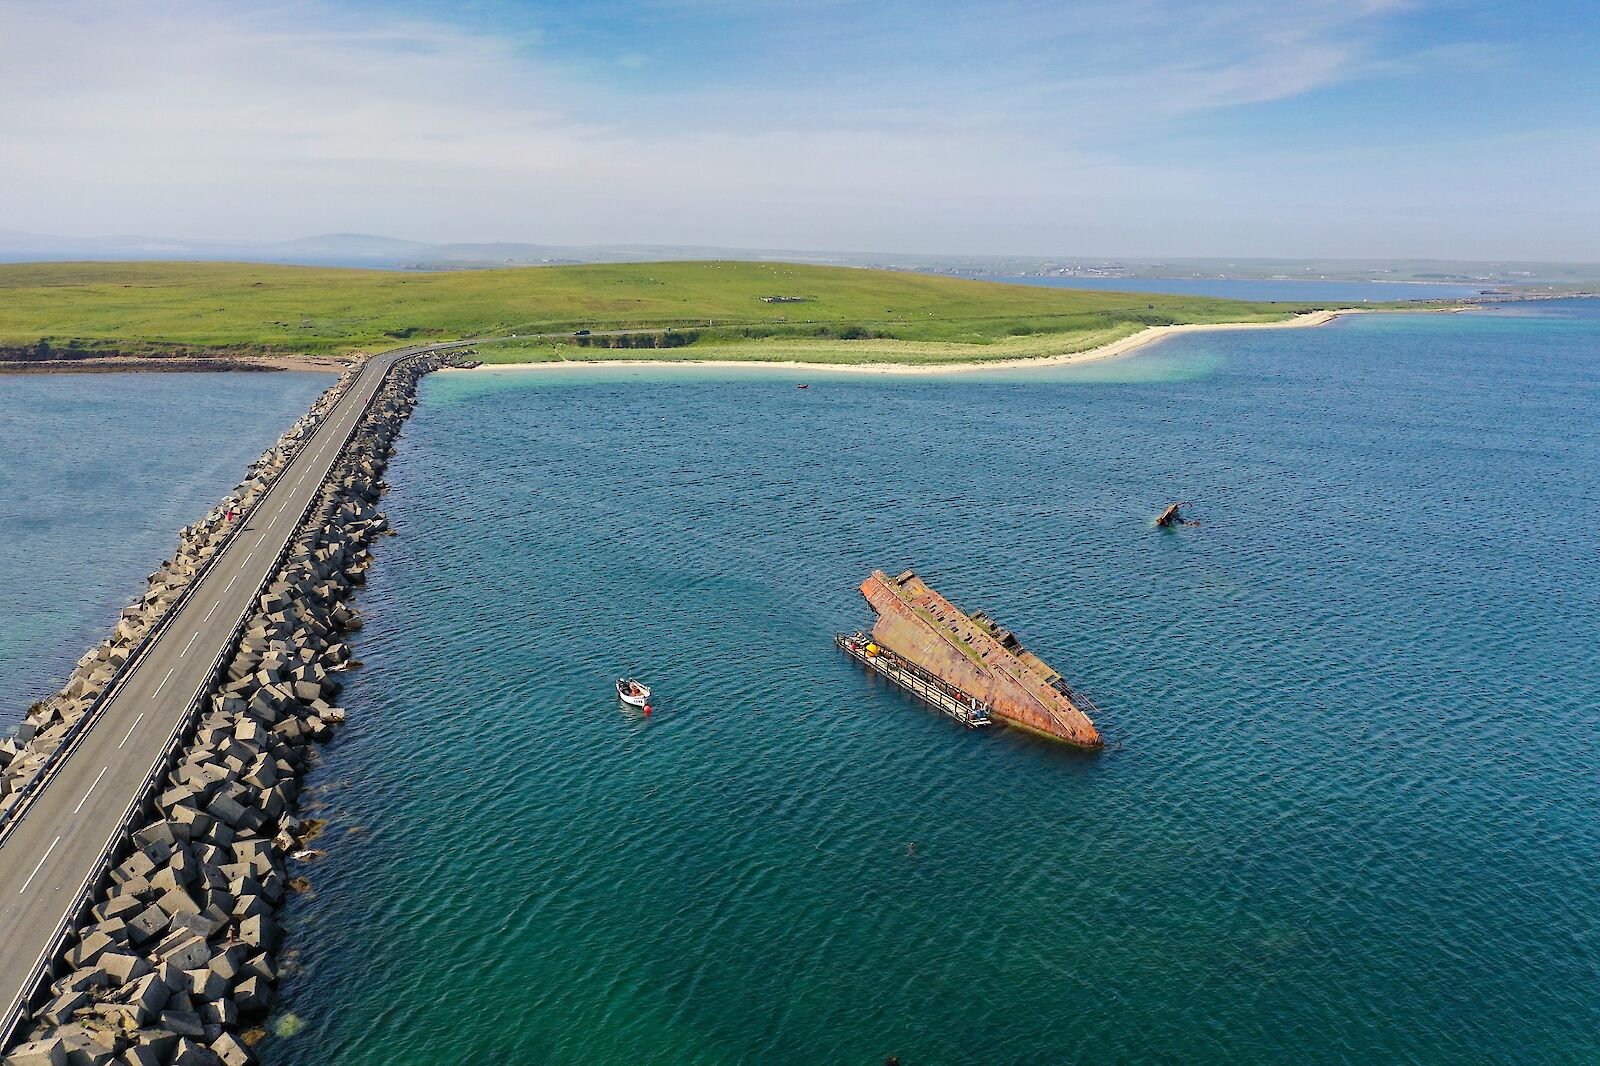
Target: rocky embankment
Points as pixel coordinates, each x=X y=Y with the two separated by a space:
x=176 y=961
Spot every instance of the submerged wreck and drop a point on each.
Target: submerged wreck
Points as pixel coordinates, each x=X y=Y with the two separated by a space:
x=968 y=666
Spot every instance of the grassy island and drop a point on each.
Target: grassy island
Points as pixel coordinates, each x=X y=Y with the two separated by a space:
x=665 y=311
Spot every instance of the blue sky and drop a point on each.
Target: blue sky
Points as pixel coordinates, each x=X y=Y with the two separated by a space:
x=1447 y=128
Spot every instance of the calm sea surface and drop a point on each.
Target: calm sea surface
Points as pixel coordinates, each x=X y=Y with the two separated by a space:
x=1349 y=810
x=98 y=472
x=1348 y=292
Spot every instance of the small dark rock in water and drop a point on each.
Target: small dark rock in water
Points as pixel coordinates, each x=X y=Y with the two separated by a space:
x=300 y=884
x=311 y=829
x=253 y=1036
x=1172 y=516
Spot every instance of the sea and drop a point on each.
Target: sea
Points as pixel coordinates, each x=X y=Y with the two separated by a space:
x=1296 y=290
x=98 y=472
x=1347 y=812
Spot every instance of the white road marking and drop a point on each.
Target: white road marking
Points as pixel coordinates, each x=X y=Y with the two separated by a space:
x=211 y=612
x=247 y=558
x=186 y=647
x=36 y=869
x=131 y=728
x=85 y=799
x=163 y=684
x=229 y=585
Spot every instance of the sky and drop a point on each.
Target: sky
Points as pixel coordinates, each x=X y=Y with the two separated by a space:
x=1297 y=128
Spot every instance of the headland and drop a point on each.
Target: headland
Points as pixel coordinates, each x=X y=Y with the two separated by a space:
x=126 y=316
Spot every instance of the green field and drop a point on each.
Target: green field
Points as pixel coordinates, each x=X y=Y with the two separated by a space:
x=699 y=310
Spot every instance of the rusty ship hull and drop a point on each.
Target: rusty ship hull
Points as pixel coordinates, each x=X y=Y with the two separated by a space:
x=976 y=656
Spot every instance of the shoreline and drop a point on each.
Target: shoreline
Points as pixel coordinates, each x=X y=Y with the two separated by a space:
x=176 y=365
x=1111 y=350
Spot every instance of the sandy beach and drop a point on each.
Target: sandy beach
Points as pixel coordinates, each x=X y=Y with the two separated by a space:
x=1142 y=339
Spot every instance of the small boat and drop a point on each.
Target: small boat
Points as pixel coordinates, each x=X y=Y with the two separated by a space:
x=802 y=386
x=632 y=692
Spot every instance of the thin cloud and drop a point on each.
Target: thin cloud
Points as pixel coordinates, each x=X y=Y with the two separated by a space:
x=1016 y=127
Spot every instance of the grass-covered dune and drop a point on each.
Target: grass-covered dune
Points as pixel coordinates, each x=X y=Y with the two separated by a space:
x=700 y=310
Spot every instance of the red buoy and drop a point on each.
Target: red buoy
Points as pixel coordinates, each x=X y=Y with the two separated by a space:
x=647 y=710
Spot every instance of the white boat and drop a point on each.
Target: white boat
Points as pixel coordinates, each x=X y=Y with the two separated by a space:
x=633 y=693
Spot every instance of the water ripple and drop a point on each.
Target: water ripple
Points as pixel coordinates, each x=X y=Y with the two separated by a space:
x=1347 y=815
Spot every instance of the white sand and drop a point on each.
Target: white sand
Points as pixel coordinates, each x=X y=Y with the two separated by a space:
x=1144 y=337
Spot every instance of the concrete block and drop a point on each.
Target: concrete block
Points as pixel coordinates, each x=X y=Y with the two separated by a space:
x=252 y=995
x=229 y=962
x=148 y=995
x=123 y=967
x=158 y=851
x=182 y=1022
x=232 y=1051
x=136 y=887
x=168 y=879
x=175 y=901
x=227 y=810
x=116 y=906
x=203 y=924
x=89 y=949
x=220 y=834
x=50 y=1051
x=59 y=1010
x=155 y=831
x=196 y=823
x=249 y=906
x=261 y=966
x=147 y=924
x=91 y=980
x=206 y=985
x=220 y=1014
x=142 y=1055
x=189 y=953
x=192 y=1053
x=163 y=1043
x=258 y=932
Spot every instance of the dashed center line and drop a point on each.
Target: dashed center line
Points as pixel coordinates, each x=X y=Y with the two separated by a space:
x=211 y=612
x=163 y=684
x=36 y=869
x=186 y=647
x=131 y=728
x=86 y=795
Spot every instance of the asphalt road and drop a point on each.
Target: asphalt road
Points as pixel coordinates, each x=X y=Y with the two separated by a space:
x=53 y=848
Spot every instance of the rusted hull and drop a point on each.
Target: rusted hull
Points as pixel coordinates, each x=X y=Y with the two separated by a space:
x=977 y=657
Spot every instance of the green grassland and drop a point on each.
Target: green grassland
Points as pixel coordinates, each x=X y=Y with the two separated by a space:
x=699 y=310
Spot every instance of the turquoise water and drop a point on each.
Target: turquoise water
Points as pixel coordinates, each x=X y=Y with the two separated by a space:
x=1348 y=812
x=98 y=472
x=1344 y=292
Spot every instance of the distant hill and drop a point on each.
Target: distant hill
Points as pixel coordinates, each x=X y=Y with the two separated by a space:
x=390 y=253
